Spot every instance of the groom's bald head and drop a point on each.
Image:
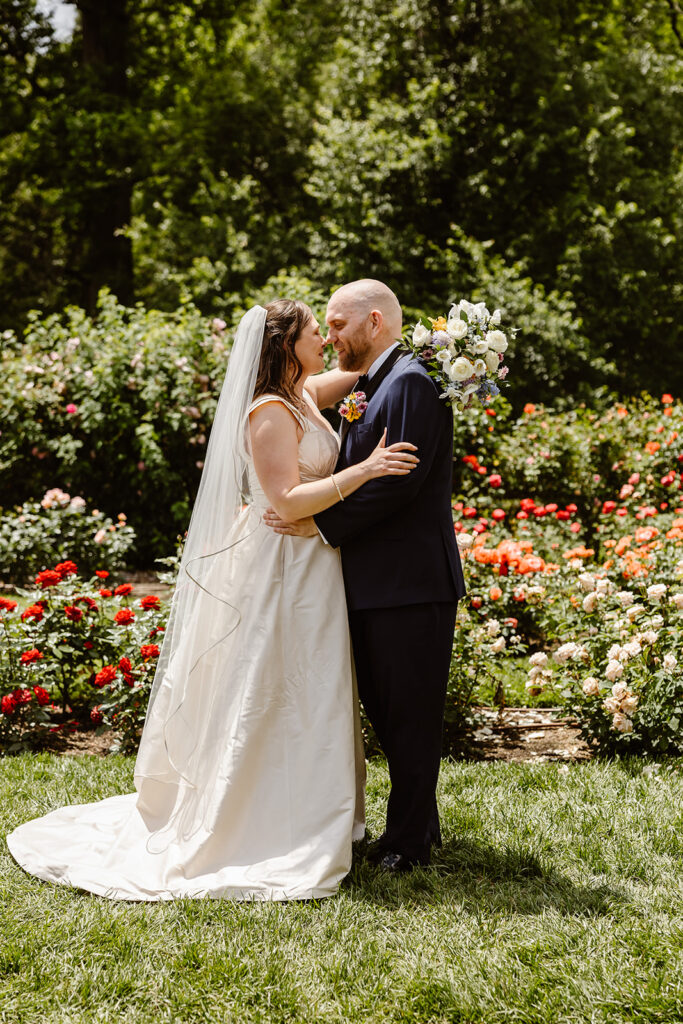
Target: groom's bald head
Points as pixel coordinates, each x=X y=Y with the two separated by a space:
x=364 y=318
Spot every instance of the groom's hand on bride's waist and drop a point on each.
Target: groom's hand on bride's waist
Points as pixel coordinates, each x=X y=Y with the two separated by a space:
x=301 y=528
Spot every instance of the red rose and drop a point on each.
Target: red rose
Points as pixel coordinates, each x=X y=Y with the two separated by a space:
x=469 y=512
x=608 y=506
x=498 y=514
x=34 y=611
x=124 y=616
x=30 y=656
x=22 y=695
x=562 y=514
x=572 y=508
x=8 y=704
x=495 y=480
x=551 y=508
x=128 y=678
x=151 y=601
x=72 y=613
x=65 y=569
x=48 y=578
x=149 y=651
x=88 y=644
x=490 y=412
x=42 y=696
x=124 y=589
x=522 y=514
x=105 y=593
x=102 y=573
x=527 y=504
x=6 y=604
x=84 y=599
x=96 y=715
x=475 y=602
x=107 y=674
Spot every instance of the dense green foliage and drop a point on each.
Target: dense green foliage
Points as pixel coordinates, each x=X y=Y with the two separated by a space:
x=527 y=151
x=556 y=899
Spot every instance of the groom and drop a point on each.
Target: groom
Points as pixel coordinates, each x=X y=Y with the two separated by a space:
x=401 y=565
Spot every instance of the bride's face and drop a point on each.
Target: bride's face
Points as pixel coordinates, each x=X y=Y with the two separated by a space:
x=309 y=347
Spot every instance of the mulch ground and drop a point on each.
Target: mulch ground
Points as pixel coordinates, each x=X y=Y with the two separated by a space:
x=514 y=734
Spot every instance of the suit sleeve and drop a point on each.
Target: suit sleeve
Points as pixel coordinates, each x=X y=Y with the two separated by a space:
x=412 y=412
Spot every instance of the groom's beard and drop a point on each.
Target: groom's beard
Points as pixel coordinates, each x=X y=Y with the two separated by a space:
x=357 y=354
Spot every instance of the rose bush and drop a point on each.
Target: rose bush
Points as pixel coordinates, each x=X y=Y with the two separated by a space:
x=75 y=649
x=38 y=534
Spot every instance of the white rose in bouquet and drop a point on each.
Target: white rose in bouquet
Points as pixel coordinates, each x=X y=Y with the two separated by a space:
x=457 y=329
x=443 y=356
x=421 y=336
x=497 y=341
x=492 y=361
x=479 y=367
x=461 y=369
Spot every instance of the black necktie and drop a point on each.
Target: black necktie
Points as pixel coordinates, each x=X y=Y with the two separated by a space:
x=362 y=383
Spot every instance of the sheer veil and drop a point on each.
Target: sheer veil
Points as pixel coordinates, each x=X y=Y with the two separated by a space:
x=178 y=739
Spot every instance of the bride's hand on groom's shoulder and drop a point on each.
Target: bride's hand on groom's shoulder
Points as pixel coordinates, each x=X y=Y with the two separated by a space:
x=301 y=528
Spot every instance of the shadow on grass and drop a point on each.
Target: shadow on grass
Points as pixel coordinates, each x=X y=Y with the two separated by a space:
x=483 y=878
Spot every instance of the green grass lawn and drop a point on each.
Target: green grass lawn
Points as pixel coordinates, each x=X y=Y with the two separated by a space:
x=558 y=896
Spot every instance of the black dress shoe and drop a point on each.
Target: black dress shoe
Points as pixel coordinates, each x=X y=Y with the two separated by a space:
x=395 y=864
x=374 y=852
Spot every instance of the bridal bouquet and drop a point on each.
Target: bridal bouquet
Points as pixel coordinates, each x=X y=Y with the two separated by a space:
x=463 y=352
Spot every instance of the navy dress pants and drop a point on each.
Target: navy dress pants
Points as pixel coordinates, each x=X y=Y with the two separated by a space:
x=402 y=658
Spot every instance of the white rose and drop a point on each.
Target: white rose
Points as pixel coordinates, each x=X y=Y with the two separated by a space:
x=622 y=723
x=677 y=600
x=591 y=686
x=614 y=671
x=614 y=653
x=498 y=645
x=625 y=598
x=589 y=602
x=461 y=369
x=497 y=341
x=535 y=673
x=587 y=582
x=604 y=586
x=540 y=659
x=421 y=336
x=634 y=611
x=656 y=622
x=496 y=316
x=493 y=627
x=611 y=705
x=656 y=592
x=619 y=691
x=669 y=663
x=632 y=649
x=479 y=347
x=464 y=540
x=629 y=704
x=457 y=329
x=443 y=356
x=479 y=367
x=649 y=637
x=492 y=361
x=565 y=652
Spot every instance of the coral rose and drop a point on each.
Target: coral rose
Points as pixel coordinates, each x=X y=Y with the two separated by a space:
x=151 y=601
x=28 y=657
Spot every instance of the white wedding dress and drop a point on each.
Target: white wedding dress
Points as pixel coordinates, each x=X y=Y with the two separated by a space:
x=279 y=795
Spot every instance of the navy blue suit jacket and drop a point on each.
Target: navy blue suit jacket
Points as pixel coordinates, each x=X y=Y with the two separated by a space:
x=396 y=532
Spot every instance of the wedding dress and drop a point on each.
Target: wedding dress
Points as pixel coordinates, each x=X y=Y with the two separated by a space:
x=267 y=801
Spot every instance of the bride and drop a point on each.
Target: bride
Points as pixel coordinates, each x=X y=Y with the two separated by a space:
x=249 y=778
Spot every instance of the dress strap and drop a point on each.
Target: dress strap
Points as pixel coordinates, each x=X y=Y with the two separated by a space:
x=264 y=399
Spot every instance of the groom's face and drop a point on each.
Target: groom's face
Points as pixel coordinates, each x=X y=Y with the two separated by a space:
x=350 y=331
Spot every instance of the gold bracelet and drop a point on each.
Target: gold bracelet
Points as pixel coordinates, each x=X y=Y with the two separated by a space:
x=341 y=496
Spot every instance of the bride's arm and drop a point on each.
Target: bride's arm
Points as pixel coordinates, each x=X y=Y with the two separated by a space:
x=327 y=389
x=275 y=451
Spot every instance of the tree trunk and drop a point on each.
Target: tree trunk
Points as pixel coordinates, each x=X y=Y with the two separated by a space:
x=107 y=195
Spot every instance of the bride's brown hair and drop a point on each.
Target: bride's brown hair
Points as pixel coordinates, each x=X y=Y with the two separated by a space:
x=279 y=369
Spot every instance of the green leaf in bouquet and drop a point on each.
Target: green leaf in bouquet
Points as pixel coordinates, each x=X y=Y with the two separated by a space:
x=426 y=323
x=463 y=316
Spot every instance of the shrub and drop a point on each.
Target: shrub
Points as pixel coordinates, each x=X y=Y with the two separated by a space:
x=86 y=645
x=58 y=527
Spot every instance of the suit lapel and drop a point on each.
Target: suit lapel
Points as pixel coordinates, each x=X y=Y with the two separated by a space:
x=375 y=382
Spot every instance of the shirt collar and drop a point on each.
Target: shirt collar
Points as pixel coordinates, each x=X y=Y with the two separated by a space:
x=380 y=359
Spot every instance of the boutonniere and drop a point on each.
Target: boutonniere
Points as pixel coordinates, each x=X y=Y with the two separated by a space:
x=353 y=406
